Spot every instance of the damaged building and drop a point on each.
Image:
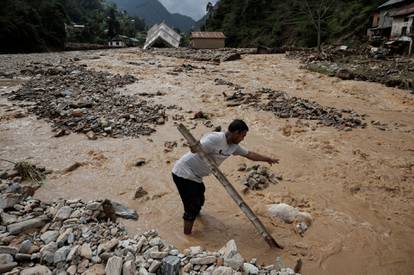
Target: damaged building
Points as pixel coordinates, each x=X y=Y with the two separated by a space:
x=161 y=35
x=392 y=25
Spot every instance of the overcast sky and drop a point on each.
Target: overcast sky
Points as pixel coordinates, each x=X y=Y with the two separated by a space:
x=193 y=8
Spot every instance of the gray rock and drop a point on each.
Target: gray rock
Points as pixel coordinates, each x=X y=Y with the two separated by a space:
x=7 y=267
x=107 y=246
x=114 y=266
x=96 y=259
x=7 y=218
x=36 y=270
x=231 y=249
x=8 y=200
x=49 y=236
x=154 y=266
x=72 y=270
x=142 y=271
x=203 y=260
x=63 y=213
x=158 y=255
x=86 y=251
x=141 y=242
x=170 y=265
x=235 y=262
x=194 y=250
x=19 y=227
x=20 y=257
x=8 y=250
x=223 y=270
x=129 y=268
x=48 y=253
x=64 y=237
x=25 y=246
x=5 y=258
x=155 y=242
x=94 y=205
x=61 y=254
x=123 y=211
x=250 y=269
x=72 y=253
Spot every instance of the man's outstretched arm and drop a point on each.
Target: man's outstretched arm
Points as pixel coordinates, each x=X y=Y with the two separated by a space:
x=258 y=157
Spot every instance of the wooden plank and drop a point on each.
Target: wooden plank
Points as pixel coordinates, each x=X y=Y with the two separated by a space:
x=229 y=187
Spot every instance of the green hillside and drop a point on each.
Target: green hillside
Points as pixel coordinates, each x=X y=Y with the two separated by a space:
x=273 y=23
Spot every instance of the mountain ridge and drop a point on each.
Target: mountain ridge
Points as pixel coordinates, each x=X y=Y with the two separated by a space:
x=153 y=12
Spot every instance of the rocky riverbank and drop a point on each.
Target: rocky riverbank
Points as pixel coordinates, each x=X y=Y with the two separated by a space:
x=360 y=64
x=77 y=237
x=76 y=99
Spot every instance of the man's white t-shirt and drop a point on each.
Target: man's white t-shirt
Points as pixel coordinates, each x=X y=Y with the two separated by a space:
x=192 y=167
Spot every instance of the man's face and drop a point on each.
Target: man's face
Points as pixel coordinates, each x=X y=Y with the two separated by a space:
x=238 y=137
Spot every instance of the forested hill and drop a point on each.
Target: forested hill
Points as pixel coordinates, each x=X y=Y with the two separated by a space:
x=152 y=11
x=273 y=23
x=39 y=25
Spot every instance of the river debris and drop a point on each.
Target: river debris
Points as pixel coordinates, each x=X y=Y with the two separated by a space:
x=77 y=237
x=75 y=99
x=259 y=177
x=360 y=64
x=213 y=55
x=283 y=105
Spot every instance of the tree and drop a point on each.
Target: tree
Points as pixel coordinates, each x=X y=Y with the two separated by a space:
x=113 y=23
x=318 y=12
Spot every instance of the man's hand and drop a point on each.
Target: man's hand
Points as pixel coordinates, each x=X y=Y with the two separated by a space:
x=193 y=147
x=272 y=160
x=258 y=157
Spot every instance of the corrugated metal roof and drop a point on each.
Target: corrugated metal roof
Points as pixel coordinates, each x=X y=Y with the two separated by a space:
x=209 y=35
x=165 y=33
x=404 y=10
x=390 y=3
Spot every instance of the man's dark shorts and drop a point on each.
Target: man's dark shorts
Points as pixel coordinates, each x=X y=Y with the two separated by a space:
x=192 y=195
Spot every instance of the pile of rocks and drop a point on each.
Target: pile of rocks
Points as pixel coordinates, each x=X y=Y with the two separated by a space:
x=214 y=55
x=75 y=99
x=75 y=237
x=259 y=177
x=285 y=106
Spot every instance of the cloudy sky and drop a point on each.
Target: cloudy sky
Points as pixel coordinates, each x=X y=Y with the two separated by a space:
x=193 y=8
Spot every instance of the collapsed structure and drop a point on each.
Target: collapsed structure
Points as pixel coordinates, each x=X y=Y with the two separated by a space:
x=162 y=35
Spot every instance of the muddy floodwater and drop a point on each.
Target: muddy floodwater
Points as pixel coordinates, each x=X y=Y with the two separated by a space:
x=358 y=185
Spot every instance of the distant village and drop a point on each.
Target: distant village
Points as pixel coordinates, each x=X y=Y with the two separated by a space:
x=392 y=28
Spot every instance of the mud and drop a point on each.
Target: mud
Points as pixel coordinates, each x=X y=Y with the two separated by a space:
x=357 y=185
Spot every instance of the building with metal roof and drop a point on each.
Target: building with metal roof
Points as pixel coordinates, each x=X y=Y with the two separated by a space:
x=207 y=40
x=162 y=35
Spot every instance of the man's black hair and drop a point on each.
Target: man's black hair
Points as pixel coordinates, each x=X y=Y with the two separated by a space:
x=238 y=125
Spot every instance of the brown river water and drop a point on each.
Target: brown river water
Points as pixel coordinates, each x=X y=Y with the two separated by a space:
x=358 y=185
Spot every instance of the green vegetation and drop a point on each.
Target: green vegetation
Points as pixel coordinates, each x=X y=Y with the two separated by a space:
x=275 y=23
x=45 y=25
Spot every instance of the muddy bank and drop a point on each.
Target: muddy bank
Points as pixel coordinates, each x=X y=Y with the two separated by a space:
x=360 y=64
x=357 y=185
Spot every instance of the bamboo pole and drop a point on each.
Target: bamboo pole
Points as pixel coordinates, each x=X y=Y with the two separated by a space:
x=229 y=188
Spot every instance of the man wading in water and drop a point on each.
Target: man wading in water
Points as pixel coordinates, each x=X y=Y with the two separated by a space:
x=189 y=170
